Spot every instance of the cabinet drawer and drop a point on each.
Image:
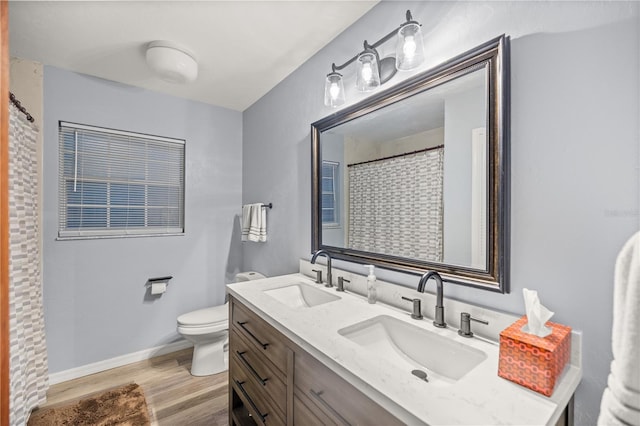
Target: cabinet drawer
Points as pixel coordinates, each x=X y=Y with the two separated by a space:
x=254 y=396
x=262 y=336
x=303 y=415
x=324 y=391
x=258 y=369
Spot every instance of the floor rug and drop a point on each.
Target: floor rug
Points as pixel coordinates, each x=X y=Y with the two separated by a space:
x=121 y=406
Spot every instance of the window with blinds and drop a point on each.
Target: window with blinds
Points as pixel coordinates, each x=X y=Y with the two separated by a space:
x=330 y=194
x=115 y=183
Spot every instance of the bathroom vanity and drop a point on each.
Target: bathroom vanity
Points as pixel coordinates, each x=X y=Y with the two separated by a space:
x=304 y=354
x=276 y=381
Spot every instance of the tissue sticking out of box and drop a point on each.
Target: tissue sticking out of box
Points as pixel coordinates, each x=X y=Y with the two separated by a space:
x=537 y=315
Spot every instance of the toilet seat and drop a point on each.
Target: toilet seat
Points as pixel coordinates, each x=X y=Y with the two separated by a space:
x=203 y=321
x=204 y=316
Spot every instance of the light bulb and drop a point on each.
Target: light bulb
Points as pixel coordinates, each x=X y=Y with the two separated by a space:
x=367 y=77
x=367 y=72
x=409 y=47
x=334 y=90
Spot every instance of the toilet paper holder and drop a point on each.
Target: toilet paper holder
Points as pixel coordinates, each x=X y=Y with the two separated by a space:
x=158 y=285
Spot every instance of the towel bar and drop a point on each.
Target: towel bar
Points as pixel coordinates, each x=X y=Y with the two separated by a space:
x=159 y=279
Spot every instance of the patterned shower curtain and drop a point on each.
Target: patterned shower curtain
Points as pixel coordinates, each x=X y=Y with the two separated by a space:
x=389 y=216
x=29 y=380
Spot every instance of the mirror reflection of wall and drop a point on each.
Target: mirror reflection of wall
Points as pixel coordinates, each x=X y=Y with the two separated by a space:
x=464 y=111
x=406 y=181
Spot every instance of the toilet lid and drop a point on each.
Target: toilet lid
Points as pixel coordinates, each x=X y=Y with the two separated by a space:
x=205 y=316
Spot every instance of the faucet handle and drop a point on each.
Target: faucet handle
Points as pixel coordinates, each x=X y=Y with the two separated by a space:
x=417 y=307
x=465 y=324
x=318 y=275
x=341 y=281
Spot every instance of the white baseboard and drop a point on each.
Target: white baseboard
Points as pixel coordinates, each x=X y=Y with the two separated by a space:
x=119 y=361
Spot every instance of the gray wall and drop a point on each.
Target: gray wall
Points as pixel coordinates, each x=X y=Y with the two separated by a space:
x=463 y=112
x=574 y=152
x=94 y=294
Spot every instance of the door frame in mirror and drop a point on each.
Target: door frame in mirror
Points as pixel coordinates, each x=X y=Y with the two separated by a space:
x=494 y=57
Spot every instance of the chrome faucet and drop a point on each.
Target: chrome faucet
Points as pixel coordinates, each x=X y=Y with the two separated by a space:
x=439 y=321
x=328 y=256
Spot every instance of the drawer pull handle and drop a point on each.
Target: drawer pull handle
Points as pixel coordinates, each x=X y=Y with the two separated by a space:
x=241 y=324
x=318 y=397
x=251 y=369
x=250 y=401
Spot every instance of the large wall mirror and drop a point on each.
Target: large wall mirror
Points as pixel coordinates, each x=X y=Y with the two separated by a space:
x=415 y=178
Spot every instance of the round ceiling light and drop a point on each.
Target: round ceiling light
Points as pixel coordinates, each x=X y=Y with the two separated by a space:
x=171 y=62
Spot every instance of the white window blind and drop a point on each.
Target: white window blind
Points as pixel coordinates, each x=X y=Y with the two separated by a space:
x=117 y=183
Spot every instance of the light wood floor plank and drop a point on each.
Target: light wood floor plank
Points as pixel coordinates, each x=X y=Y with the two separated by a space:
x=174 y=396
x=199 y=415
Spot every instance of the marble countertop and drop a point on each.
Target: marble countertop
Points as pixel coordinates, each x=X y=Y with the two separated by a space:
x=479 y=397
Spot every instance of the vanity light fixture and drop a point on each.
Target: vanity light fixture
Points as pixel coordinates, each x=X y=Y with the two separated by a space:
x=334 y=90
x=368 y=74
x=373 y=71
x=409 y=49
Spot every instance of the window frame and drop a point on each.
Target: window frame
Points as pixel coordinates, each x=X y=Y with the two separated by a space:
x=69 y=233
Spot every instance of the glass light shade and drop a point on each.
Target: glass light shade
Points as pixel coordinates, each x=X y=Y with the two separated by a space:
x=333 y=90
x=171 y=62
x=409 y=48
x=368 y=75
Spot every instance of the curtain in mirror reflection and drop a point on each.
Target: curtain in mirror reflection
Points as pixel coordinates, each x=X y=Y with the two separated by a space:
x=388 y=215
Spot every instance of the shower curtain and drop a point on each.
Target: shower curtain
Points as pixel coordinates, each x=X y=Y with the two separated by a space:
x=28 y=373
x=390 y=216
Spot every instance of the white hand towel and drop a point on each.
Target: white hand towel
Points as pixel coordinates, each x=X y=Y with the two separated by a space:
x=254 y=222
x=621 y=399
x=246 y=221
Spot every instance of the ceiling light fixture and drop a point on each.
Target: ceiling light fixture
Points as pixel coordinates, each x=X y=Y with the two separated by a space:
x=373 y=71
x=171 y=62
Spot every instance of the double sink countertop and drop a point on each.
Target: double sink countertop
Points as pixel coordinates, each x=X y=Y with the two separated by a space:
x=478 y=397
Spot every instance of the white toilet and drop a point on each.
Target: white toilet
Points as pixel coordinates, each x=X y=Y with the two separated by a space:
x=208 y=330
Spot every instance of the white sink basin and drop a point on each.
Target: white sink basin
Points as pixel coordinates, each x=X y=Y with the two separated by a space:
x=410 y=347
x=301 y=295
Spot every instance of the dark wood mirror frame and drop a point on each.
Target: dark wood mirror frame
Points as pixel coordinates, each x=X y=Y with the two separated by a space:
x=494 y=57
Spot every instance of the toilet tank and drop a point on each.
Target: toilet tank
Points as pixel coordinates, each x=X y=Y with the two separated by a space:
x=249 y=276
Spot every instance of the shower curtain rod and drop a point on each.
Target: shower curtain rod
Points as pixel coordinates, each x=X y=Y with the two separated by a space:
x=396 y=156
x=22 y=109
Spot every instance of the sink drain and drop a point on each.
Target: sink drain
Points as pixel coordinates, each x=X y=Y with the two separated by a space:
x=421 y=374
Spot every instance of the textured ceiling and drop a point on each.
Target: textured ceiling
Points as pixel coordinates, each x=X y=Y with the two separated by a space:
x=244 y=48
